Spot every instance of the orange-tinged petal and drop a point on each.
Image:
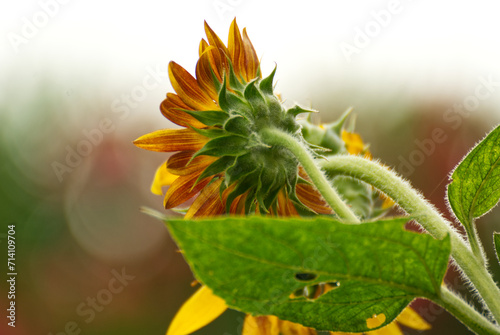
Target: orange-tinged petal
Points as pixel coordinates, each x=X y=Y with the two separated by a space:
x=214 y=40
x=235 y=47
x=188 y=90
x=261 y=325
x=290 y=328
x=172 y=107
x=412 y=319
x=208 y=203
x=312 y=199
x=198 y=311
x=251 y=60
x=284 y=208
x=183 y=189
x=211 y=61
x=162 y=178
x=168 y=140
x=238 y=205
x=178 y=165
x=391 y=329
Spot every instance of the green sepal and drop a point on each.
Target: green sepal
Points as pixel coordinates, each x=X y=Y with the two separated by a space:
x=338 y=125
x=210 y=132
x=266 y=84
x=296 y=110
x=238 y=124
x=265 y=192
x=267 y=179
x=209 y=118
x=243 y=166
x=250 y=203
x=231 y=145
x=218 y=166
x=256 y=100
x=311 y=133
x=231 y=102
x=496 y=241
x=234 y=82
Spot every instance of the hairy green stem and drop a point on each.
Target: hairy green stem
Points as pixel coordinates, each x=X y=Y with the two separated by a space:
x=424 y=213
x=466 y=313
x=475 y=243
x=273 y=136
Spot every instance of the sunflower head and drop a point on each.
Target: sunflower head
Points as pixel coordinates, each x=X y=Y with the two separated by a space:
x=253 y=167
x=224 y=111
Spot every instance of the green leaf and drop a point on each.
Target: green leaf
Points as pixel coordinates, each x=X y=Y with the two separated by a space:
x=496 y=240
x=261 y=265
x=475 y=188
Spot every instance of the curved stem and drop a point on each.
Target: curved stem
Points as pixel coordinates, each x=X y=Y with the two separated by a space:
x=466 y=313
x=273 y=136
x=414 y=204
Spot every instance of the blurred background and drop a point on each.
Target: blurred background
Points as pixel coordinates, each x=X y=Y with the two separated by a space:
x=82 y=79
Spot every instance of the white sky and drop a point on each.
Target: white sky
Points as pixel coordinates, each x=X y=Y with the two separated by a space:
x=429 y=45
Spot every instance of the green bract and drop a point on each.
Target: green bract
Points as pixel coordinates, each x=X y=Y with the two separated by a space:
x=248 y=163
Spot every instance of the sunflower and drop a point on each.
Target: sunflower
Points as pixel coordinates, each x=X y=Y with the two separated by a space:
x=220 y=160
x=218 y=151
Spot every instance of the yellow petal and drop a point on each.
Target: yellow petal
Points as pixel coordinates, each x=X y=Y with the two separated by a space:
x=203 y=46
x=162 y=178
x=353 y=143
x=412 y=319
x=375 y=321
x=198 y=311
x=390 y=329
x=261 y=325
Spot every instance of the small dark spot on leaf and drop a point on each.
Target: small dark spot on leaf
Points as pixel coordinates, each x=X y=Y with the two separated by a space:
x=305 y=276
